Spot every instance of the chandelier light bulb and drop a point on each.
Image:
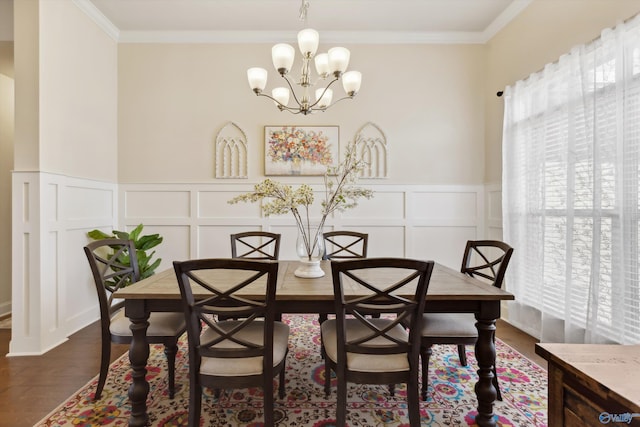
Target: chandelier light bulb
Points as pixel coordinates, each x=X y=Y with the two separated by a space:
x=281 y=95
x=282 y=56
x=338 y=60
x=324 y=97
x=308 y=40
x=351 y=81
x=322 y=64
x=257 y=79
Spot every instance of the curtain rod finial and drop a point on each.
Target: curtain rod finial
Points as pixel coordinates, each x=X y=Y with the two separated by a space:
x=499 y=94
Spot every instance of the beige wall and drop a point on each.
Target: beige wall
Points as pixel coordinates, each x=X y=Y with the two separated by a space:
x=539 y=35
x=6 y=20
x=27 y=72
x=6 y=165
x=78 y=95
x=6 y=148
x=174 y=98
x=6 y=58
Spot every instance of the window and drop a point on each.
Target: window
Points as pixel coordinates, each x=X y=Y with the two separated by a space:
x=571 y=193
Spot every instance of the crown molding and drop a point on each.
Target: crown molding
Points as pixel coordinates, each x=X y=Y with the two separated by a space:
x=351 y=37
x=504 y=18
x=102 y=21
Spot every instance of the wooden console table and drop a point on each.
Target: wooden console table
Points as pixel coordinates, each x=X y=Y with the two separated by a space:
x=592 y=384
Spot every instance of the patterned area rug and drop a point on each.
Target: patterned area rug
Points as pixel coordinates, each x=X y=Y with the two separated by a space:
x=451 y=400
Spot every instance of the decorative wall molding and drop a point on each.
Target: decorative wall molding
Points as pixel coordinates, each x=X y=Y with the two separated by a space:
x=231 y=152
x=52 y=291
x=422 y=221
x=98 y=17
x=348 y=37
x=53 y=295
x=371 y=146
x=494 y=224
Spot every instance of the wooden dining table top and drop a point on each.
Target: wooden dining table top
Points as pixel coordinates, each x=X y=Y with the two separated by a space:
x=445 y=284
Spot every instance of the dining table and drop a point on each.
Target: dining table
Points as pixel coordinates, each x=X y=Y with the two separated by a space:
x=449 y=292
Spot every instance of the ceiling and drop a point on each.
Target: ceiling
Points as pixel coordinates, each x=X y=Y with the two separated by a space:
x=358 y=21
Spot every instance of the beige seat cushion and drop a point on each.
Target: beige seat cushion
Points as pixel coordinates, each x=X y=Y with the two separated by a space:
x=365 y=362
x=250 y=365
x=160 y=324
x=449 y=325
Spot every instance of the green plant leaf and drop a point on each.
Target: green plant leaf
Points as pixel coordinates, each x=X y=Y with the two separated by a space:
x=143 y=259
x=150 y=269
x=121 y=234
x=148 y=242
x=98 y=235
x=133 y=235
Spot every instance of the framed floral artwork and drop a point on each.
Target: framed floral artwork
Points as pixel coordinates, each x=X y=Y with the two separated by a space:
x=300 y=150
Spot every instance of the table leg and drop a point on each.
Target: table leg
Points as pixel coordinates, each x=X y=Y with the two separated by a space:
x=486 y=356
x=138 y=357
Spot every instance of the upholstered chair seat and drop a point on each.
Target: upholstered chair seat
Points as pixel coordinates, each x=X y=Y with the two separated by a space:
x=253 y=333
x=449 y=324
x=397 y=362
x=160 y=324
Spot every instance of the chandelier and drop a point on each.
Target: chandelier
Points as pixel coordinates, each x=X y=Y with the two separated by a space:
x=331 y=65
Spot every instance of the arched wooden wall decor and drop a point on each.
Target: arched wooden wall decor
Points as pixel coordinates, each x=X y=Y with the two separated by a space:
x=371 y=145
x=231 y=152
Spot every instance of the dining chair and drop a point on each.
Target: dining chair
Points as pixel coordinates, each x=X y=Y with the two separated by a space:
x=345 y=244
x=255 y=245
x=114 y=265
x=486 y=260
x=247 y=351
x=376 y=350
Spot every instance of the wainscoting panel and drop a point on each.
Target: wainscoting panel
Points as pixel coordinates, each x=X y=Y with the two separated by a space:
x=52 y=290
x=161 y=204
x=442 y=244
x=385 y=205
x=213 y=204
x=494 y=211
x=176 y=242
x=446 y=206
x=431 y=222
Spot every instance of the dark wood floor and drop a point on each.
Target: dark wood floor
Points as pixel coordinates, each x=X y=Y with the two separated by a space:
x=32 y=386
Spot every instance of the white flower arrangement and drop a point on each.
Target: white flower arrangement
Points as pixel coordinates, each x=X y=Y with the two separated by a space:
x=340 y=194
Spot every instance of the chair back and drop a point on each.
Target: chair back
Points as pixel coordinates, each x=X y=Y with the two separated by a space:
x=114 y=265
x=255 y=245
x=345 y=244
x=374 y=287
x=486 y=259
x=228 y=288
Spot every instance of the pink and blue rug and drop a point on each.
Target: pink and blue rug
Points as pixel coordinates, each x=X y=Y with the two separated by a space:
x=451 y=400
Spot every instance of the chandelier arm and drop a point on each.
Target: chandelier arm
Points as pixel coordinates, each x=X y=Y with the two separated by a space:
x=293 y=92
x=332 y=104
x=282 y=107
x=320 y=97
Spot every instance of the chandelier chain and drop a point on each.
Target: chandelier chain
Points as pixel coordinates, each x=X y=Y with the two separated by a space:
x=304 y=10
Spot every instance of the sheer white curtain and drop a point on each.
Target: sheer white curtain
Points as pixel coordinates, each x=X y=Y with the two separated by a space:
x=571 y=198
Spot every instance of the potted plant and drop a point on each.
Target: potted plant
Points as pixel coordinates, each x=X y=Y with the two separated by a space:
x=146 y=264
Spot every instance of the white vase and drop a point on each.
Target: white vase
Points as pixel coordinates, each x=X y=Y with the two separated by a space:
x=310 y=250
